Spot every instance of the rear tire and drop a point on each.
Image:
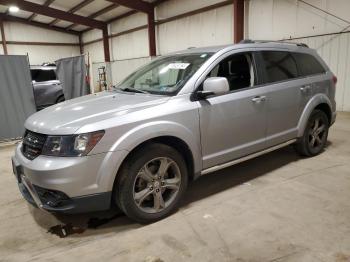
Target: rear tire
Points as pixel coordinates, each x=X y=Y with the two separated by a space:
x=151 y=183
x=315 y=135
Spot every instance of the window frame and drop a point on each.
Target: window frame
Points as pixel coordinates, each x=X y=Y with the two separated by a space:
x=263 y=66
x=315 y=58
x=257 y=73
x=264 y=74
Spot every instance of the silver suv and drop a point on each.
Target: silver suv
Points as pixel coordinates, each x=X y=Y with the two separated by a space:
x=181 y=116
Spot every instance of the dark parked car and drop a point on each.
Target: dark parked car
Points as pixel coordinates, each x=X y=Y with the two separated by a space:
x=47 y=88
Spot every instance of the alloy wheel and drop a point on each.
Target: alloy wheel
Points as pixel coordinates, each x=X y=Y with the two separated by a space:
x=157 y=184
x=317 y=133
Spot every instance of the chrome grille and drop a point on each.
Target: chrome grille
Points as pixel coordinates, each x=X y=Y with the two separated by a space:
x=33 y=144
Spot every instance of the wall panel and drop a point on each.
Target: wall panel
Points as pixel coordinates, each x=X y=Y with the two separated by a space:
x=284 y=19
x=41 y=54
x=131 y=45
x=177 y=7
x=38 y=54
x=20 y=32
x=130 y=22
x=213 y=27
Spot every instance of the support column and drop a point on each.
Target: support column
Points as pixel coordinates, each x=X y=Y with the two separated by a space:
x=151 y=34
x=81 y=44
x=238 y=20
x=106 y=43
x=3 y=38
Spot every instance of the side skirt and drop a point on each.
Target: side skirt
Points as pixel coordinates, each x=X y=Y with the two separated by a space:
x=245 y=158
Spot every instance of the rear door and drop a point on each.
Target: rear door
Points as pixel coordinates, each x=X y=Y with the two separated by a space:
x=284 y=96
x=313 y=75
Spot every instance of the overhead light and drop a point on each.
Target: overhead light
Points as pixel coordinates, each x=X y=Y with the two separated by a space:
x=13 y=9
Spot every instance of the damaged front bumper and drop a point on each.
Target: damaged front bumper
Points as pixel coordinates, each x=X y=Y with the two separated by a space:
x=56 y=201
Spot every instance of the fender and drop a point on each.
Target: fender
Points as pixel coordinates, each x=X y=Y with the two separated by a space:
x=310 y=106
x=147 y=131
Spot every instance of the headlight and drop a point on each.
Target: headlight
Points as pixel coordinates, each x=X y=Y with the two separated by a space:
x=74 y=145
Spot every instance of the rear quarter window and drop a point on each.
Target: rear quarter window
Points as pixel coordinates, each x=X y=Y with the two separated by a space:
x=308 y=64
x=279 y=66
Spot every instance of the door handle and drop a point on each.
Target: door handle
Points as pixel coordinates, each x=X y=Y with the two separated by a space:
x=305 y=88
x=259 y=99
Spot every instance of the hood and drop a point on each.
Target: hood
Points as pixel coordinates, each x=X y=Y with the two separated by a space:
x=67 y=117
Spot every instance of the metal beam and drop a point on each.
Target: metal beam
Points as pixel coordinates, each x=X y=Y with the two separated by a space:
x=106 y=43
x=55 y=13
x=3 y=38
x=47 y=3
x=34 y=23
x=81 y=45
x=238 y=20
x=135 y=4
x=151 y=34
x=96 y=14
x=158 y=2
x=74 y=9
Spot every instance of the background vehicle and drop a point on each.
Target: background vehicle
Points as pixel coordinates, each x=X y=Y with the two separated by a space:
x=181 y=116
x=47 y=88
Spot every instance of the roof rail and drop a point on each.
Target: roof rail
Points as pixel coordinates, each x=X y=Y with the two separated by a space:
x=249 y=41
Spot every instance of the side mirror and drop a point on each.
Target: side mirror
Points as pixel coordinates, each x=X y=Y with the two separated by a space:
x=214 y=86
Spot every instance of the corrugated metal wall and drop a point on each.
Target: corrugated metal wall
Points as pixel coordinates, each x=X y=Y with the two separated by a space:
x=285 y=19
x=214 y=27
x=335 y=50
x=38 y=54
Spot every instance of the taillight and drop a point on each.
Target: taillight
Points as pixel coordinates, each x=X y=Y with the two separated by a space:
x=335 y=79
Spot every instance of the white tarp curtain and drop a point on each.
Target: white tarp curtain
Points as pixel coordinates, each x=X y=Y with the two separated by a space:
x=16 y=95
x=71 y=72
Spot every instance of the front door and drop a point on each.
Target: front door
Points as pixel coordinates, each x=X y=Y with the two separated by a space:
x=234 y=124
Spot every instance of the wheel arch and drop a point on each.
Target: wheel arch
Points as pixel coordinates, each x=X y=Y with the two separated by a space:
x=178 y=144
x=320 y=102
x=58 y=98
x=326 y=109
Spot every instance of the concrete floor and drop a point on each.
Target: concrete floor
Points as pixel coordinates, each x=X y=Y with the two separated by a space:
x=278 y=207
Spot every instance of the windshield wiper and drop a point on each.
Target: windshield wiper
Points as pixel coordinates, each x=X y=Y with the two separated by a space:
x=131 y=89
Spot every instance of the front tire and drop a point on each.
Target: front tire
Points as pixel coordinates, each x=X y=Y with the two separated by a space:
x=151 y=183
x=315 y=135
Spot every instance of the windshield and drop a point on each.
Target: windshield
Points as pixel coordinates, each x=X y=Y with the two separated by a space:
x=164 y=76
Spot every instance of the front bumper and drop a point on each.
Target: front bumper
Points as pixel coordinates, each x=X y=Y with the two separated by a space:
x=67 y=184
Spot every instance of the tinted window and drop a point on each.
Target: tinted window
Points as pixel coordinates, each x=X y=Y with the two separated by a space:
x=39 y=75
x=238 y=69
x=308 y=65
x=279 y=66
